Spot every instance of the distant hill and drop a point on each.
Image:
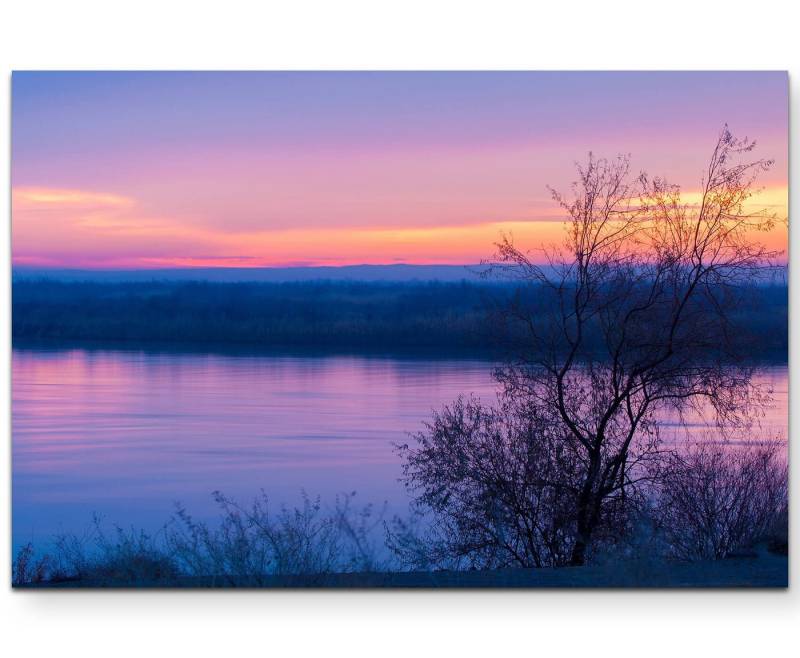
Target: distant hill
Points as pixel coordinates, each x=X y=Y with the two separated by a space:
x=398 y=273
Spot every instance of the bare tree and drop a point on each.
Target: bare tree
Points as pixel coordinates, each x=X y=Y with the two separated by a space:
x=637 y=316
x=494 y=486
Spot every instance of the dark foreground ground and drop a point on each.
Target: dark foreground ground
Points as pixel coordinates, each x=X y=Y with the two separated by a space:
x=764 y=571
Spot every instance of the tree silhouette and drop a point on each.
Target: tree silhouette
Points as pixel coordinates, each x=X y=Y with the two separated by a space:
x=657 y=279
x=637 y=314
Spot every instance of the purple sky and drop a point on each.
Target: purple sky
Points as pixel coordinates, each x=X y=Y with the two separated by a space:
x=163 y=169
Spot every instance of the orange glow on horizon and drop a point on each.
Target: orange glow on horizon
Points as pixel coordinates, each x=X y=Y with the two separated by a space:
x=86 y=229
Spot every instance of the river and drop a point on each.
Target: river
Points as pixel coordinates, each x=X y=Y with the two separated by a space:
x=126 y=434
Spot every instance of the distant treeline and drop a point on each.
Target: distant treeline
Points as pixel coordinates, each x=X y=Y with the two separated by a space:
x=307 y=314
x=354 y=315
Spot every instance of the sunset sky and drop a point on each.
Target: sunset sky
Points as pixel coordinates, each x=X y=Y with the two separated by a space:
x=148 y=170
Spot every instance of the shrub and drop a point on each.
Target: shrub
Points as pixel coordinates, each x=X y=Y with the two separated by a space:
x=716 y=500
x=28 y=568
x=252 y=542
x=248 y=545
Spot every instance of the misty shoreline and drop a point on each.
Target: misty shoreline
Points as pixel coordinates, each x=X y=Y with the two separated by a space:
x=394 y=319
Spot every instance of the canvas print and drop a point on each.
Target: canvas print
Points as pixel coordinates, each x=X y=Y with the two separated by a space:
x=399 y=329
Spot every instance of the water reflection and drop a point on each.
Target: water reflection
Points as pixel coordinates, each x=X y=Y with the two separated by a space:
x=126 y=433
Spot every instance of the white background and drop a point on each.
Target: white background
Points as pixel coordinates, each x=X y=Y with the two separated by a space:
x=556 y=34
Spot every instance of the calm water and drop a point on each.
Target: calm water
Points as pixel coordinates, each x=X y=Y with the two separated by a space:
x=126 y=434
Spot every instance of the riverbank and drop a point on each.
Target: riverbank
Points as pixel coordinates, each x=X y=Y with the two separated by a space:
x=764 y=570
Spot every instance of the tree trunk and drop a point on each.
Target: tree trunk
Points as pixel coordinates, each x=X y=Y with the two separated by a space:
x=578 y=557
x=585 y=513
